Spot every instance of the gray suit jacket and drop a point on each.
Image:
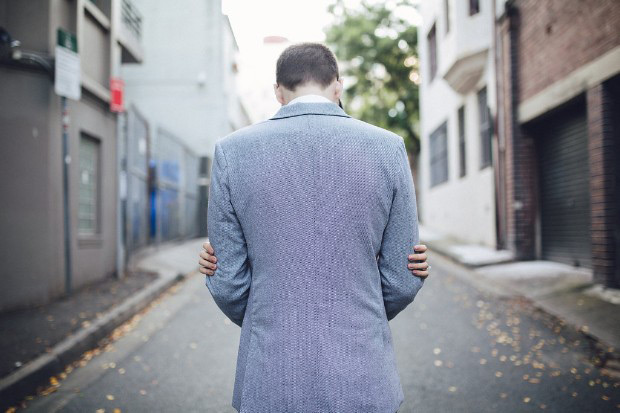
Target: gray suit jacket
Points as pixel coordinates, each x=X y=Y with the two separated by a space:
x=312 y=214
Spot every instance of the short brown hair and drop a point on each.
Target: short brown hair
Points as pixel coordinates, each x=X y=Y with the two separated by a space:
x=304 y=62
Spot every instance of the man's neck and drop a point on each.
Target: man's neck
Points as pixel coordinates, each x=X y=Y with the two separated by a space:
x=310 y=97
x=311 y=91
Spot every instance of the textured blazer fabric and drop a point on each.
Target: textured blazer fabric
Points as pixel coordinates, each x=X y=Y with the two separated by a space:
x=312 y=214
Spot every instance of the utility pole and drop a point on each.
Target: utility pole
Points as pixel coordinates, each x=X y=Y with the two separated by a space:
x=67 y=84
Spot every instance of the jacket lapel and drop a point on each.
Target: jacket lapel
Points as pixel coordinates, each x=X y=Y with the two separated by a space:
x=310 y=108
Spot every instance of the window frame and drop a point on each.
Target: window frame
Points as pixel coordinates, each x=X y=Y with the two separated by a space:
x=439 y=158
x=446 y=6
x=462 y=132
x=485 y=130
x=474 y=7
x=432 y=51
x=96 y=170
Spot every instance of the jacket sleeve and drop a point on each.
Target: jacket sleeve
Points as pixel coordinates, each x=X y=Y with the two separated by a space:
x=398 y=284
x=230 y=285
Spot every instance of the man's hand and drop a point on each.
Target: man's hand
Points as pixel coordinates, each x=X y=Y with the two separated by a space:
x=417 y=262
x=418 y=265
x=207 y=259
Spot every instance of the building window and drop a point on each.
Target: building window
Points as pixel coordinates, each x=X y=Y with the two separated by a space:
x=474 y=7
x=432 y=52
x=446 y=8
x=462 y=147
x=439 y=154
x=89 y=168
x=485 y=129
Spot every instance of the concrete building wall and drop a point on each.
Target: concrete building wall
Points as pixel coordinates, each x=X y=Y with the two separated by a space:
x=28 y=22
x=94 y=255
x=185 y=83
x=31 y=196
x=95 y=58
x=461 y=207
x=32 y=267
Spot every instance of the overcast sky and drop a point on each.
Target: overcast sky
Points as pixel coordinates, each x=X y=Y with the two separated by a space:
x=296 y=20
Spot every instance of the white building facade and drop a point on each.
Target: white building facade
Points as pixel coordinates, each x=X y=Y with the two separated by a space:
x=180 y=102
x=457 y=107
x=187 y=84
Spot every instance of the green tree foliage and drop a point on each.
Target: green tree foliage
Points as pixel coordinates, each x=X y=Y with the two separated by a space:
x=377 y=51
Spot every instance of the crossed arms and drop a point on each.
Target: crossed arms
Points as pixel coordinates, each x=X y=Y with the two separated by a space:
x=230 y=289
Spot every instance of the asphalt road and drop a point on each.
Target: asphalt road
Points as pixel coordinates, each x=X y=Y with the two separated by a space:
x=459 y=349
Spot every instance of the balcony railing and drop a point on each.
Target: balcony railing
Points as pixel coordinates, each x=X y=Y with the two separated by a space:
x=131 y=18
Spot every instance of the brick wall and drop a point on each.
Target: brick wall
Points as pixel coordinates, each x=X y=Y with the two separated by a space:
x=542 y=42
x=558 y=36
x=505 y=107
x=520 y=158
x=603 y=182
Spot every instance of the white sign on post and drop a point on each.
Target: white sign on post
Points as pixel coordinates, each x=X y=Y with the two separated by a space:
x=67 y=81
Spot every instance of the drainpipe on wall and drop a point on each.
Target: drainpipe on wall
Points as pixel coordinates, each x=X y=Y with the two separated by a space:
x=499 y=135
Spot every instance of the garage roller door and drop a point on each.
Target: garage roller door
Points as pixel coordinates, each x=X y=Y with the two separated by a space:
x=564 y=186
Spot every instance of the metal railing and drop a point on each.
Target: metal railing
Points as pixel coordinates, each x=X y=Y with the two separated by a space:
x=131 y=18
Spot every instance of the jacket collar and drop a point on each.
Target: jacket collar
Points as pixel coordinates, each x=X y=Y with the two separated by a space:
x=310 y=108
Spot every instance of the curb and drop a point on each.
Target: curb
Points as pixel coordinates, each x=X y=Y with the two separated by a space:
x=608 y=356
x=24 y=381
x=444 y=251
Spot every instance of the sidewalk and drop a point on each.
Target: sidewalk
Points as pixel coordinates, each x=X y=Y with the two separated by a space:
x=39 y=343
x=563 y=291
